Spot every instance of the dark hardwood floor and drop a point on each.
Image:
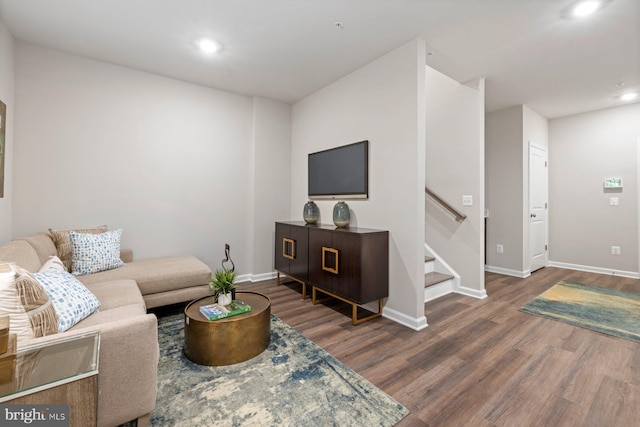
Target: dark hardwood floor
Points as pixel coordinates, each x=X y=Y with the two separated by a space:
x=482 y=362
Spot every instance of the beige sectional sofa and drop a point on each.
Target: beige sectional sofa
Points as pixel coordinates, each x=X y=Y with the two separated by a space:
x=129 y=351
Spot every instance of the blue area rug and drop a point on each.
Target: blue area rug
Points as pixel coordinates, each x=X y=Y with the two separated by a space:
x=603 y=310
x=292 y=383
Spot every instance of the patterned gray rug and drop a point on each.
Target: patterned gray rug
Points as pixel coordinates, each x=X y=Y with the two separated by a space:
x=292 y=383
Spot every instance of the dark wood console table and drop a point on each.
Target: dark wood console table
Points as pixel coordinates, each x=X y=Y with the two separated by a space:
x=351 y=264
x=292 y=253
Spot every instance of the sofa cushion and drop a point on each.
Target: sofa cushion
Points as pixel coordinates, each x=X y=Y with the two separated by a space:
x=43 y=245
x=116 y=293
x=31 y=312
x=158 y=274
x=71 y=299
x=112 y=315
x=92 y=253
x=161 y=299
x=126 y=255
x=63 y=243
x=21 y=253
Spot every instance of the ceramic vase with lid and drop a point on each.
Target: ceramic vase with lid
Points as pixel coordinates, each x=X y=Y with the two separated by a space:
x=310 y=213
x=341 y=215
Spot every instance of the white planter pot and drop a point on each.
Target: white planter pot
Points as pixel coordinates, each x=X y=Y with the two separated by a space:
x=224 y=299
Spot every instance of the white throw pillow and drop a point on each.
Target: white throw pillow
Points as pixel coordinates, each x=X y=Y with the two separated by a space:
x=71 y=299
x=31 y=312
x=92 y=253
x=10 y=304
x=53 y=263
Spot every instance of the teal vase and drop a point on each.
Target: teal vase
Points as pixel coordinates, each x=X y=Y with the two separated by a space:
x=341 y=215
x=310 y=213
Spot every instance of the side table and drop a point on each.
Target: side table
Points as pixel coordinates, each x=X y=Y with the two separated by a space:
x=58 y=372
x=231 y=339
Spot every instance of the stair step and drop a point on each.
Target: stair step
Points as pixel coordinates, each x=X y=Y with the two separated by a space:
x=429 y=259
x=434 y=278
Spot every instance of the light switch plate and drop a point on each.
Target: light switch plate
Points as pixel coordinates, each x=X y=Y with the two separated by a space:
x=614 y=201
x=467 y=200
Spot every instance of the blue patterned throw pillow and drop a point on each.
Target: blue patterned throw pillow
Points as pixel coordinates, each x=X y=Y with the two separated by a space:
x=71 y=299
x=91 y=253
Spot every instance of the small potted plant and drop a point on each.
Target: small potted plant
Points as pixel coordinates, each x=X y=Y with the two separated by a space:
x=221 y=285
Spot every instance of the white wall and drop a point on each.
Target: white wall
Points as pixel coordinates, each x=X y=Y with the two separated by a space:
x=504 y=182
x=586 y=149
x=508 y=134
x=384 y=103
x=271 y=180
x=172 y=163
x=7 y=96
x=455 y=167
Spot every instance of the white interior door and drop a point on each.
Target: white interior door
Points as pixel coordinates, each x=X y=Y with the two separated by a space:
x=538 y=221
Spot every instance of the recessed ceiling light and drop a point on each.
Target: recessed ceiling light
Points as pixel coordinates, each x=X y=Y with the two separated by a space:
x=207 y=45
x=586 y=8
x=629 y=96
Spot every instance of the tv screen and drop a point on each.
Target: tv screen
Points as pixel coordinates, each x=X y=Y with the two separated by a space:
x=340 y=172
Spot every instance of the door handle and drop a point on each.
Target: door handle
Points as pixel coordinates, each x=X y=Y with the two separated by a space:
x=288 y=248
x=533 y=215
x=335 y=255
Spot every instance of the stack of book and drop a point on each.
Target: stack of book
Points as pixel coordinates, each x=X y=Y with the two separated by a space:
x=217 y=311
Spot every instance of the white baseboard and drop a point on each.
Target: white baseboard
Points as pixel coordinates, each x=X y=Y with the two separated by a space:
x=440 y=291
x=472 y=292
x=261 y=277
x=599 y=270
x=508 y=272
x=417 y=324
x=243 y=278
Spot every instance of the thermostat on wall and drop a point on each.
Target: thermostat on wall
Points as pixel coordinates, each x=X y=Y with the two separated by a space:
x=613 y=183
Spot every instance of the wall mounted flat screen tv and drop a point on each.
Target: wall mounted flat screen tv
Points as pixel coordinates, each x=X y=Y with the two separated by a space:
x=340 y=173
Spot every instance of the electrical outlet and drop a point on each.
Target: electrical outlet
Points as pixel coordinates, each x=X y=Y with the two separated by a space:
x=467 y=200
x=614 y=201
x=615 y=250
x=500 y=249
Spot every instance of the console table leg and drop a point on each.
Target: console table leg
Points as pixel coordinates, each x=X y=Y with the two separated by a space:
x=304 y=285
x=354 y=307
x=356 y=321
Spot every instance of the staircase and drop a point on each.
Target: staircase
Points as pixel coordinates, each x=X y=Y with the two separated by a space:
x=439 y=279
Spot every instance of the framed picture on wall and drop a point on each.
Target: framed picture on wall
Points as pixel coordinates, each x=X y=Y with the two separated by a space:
x=3 y=121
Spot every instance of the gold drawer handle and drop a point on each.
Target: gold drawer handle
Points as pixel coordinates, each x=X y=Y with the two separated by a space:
x=288 y=243
x=324 y=264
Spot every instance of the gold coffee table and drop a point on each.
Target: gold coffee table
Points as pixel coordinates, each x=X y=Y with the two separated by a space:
x=230 y=340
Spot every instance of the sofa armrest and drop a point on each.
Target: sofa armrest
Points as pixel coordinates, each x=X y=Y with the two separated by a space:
x=127 y=367
x=126 y=255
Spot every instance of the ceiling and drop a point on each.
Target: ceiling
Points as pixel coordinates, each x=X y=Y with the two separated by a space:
x=529 y=51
